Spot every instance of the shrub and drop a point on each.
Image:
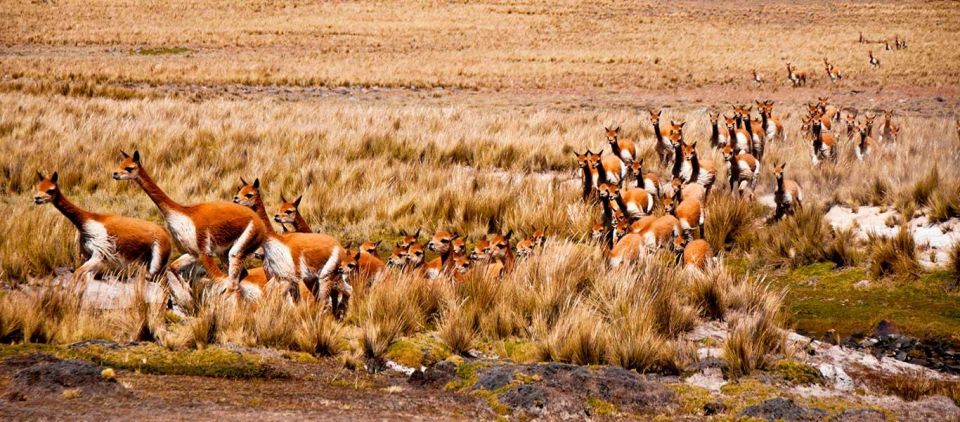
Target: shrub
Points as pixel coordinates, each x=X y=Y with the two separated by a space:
x=455 y=329
x=796 y=240
x=731 y=221
x=894 y=256
x=842 y=249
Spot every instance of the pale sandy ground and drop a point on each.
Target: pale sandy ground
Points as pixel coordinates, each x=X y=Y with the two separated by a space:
x=835 y=363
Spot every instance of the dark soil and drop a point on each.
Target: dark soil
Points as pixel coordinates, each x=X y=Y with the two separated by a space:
x=44 y=377
x=323 y=390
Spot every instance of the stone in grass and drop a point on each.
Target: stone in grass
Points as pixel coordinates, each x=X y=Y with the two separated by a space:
x=564 y=391
x=434 y=376
x=783 y=409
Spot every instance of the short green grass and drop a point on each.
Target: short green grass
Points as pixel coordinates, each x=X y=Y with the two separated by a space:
x=419 y=350
x=797 y=373
x=153 y=359
x=925 y=307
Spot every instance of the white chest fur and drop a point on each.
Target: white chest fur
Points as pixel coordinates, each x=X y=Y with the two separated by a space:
x=278 y=260
x=183 y=231
x=97 y=241
x=686 y=171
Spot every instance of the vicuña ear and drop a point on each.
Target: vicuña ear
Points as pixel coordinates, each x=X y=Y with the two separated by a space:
x=242 y=182
x=282 y=199
x=256 y=183
x=296 y=202
x=54 y=177
x=40 y=176
x=136 y=156
x=124 y=155
x=618 y=129
x=417 y=234
x=509 y=233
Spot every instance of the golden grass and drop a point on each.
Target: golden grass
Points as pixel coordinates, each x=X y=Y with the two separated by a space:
x=209 y=97
x=369 y=170
x=536 y=44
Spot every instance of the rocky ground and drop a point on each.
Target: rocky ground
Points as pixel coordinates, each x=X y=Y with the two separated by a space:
x=816 y=380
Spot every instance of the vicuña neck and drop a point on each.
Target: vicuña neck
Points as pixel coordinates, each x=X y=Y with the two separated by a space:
x=656 y=131
x=677 y=160
x=615 y=147
x=261 y=211
x=587 y=183
x=622 y=205
x=157 y=195
x=602 y=173
x=300 y=224
x=75 y=214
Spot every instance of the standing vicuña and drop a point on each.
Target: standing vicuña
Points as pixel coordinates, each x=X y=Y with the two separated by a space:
x=797 y=77
x=787 y=195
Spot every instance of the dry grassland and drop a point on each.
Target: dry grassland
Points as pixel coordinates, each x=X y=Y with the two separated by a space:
x=500 y=45
x=330 y=100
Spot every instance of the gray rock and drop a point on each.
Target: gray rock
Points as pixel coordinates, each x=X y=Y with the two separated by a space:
x=562 y=391
x=437 y=375
x=783 y=409
x=861 y=415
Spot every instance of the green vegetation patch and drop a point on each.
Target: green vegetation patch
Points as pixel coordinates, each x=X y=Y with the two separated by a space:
x=692 y=398
x=514 y=349
x=747 y=392
x=798 y=373
x=150 y=358
x=599 y=407
x=420 y=350
x=207 y=362
x=466 y=375
x=821 y=297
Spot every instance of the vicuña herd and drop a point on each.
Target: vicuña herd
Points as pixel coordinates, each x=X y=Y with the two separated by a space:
x=643 y=209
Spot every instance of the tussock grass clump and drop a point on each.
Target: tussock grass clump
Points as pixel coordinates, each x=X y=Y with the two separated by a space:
x=910 y=386
x=753 y=337
x=945 y=203
x=637 y=344
x=955 y=264
x=319 y=333
x=923 y=189
x=894 y=256
x=796 y=240
x=579 y=336
x=456 y=330
x=711 y=292
x=877 y=191
x=842 y=249
x=733 y=222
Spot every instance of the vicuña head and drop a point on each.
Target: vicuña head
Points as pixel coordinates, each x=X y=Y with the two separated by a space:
x=442 y=242
x=46 y=189
x=247 y=193
x=408 y=239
